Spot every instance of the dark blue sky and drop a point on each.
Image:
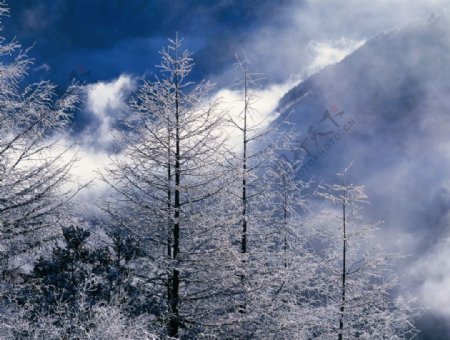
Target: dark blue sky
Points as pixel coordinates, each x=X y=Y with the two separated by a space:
x=99 y=40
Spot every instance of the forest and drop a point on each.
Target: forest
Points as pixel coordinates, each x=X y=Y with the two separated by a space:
x=206 y=230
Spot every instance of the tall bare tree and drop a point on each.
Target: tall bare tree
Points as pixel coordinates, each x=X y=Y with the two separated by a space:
x=170 y=180
x=269 y=199
x=356 y=283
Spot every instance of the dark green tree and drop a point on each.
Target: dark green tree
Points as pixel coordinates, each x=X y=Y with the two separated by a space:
x=76 y=264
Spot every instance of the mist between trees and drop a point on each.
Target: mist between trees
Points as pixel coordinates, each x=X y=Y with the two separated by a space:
x=196 y=239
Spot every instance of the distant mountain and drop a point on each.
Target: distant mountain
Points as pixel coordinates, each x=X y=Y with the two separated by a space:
x=386 y=103
x=387 y=107
x=388 y=76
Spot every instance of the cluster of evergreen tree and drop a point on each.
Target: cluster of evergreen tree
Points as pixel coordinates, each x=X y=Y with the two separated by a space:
x=204 y=239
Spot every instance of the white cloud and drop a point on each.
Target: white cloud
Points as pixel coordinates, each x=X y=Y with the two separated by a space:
x=104 y=96
x=361 y=18
x=434 y=270
x=106 y=101
x=44 y=67
x=86 y=170
x=262 y=108
x=315 y=32
x=88 y=162
x=330 y=52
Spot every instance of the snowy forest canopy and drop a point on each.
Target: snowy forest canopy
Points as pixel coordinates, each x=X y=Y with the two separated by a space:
x=206 y=230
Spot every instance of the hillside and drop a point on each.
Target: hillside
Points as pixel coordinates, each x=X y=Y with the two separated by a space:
x=386 y=107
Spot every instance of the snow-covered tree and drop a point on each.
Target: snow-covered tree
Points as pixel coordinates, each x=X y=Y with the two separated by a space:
x=248 y=127
x=80 y=320
x=276 y=267
x=169 y=182
x=58 y=278
x=290 y=261
x=246 y=186
x=34 y=168
x=355 y=281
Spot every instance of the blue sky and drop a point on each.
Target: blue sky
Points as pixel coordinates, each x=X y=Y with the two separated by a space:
x=107 y=38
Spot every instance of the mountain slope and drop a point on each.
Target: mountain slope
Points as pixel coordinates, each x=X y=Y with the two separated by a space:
x=387 y=107
x=389 y=74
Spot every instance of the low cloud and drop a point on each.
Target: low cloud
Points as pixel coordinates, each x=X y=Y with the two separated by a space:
x=329 y=52
x=304 y=36
x=434 y=269
x=43 y=67
x=261 y=112
x=106 y=102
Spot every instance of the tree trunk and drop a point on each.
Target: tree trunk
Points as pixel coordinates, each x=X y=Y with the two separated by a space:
x=174 y=320
x=244 y=191
x=344 y=272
